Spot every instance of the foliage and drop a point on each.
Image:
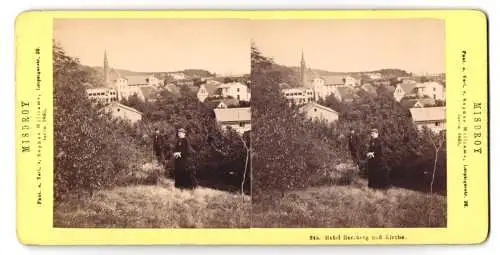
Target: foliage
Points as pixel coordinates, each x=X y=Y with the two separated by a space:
x=220 y=155
x=408 y=153
x=332 y=102
x=440 y=103
x=198 y=81
x=197 y=73
x=244 y=104
x=135 y=102
x=229 y=80
x=388 y=72
x=95 y=77
x=92 y=150
x=288 y=150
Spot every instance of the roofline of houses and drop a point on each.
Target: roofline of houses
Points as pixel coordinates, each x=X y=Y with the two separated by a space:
x=320 y=106
x=126 y=107
x=429 y=121
x=235 y=121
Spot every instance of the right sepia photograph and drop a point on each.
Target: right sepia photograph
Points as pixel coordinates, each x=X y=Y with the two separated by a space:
x=348 y=123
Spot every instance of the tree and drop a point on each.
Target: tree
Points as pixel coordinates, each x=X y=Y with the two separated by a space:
x=332 y=102
x=228 y=80
x=197 y=82
x=244 y=104
x=437 y=142
x=393 y=72
x=440 y=103
x=287 y=150
x=135 y=102
x=92 y=150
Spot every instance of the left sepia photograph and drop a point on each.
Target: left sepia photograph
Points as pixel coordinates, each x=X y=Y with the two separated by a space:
x=152 y=123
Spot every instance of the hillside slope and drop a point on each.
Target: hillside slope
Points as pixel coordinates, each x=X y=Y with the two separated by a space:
x=353 y=205
x=155 y=206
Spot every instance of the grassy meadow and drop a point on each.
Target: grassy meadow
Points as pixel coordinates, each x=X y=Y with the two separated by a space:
x=158 y=205
x=345 y=201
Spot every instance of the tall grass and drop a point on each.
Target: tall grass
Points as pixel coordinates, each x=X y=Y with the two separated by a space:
x=353 y=206
x=155 y=206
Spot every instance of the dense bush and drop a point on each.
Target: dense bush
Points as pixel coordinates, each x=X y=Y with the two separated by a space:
x=92 y=151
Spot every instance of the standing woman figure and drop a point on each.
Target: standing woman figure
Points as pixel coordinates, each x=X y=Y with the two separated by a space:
x=378 y=178
x=184 y=176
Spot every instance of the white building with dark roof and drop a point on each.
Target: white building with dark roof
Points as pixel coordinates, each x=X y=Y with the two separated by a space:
x=235 y=90
x=432 y=117
x=317 y=112
x=238 y=119
x=413 y=89
x=207 y=90
x=123 y=112
x=327 y=85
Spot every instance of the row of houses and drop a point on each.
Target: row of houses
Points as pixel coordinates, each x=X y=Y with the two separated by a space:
x=423 y=110
x=236 y=118
x=123 y=87
x=426 y=92
x=413 y=89
x=223 y=98
x=303 y=95
x=216 y=90
x=419 y=98
x=433 y=118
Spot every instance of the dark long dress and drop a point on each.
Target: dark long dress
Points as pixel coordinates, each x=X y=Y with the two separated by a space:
x=185 y=177
x=378 y=177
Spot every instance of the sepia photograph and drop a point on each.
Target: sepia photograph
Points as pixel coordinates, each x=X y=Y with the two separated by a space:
x=348 y=121
x=152 y=123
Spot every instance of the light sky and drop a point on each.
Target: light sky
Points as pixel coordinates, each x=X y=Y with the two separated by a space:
x=415 y=45
x=221 y=46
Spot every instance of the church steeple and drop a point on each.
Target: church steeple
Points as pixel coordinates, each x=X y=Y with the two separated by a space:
x=106 y=69
x=303 y=70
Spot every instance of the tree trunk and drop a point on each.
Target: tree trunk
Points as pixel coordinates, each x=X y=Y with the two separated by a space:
x=434 y=170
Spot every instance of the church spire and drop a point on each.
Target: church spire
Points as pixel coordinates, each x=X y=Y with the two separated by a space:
x=303 y=70
x=302 y=61
x=106 y=69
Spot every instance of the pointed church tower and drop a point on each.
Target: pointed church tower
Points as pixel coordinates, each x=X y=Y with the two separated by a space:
x=106 y=69
x=303 y=71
